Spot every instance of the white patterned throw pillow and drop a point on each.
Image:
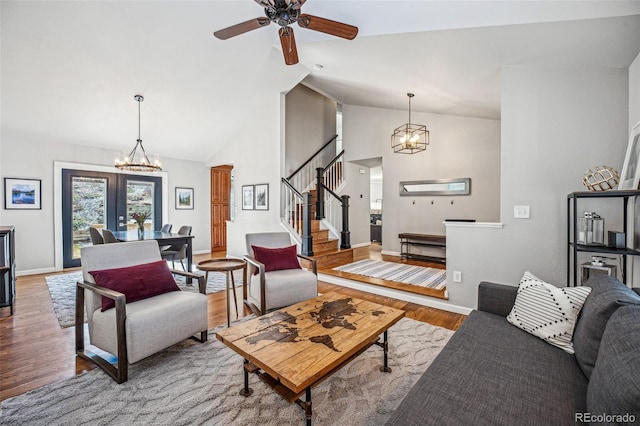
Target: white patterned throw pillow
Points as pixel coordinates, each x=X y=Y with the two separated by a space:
x=547 y=311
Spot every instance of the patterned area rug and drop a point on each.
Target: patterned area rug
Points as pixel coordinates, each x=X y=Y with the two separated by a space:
x=193 y=383
x=398 y=272
x=63 y=291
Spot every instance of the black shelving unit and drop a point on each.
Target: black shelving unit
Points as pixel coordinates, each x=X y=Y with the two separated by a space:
x=7 y=267
x=572 y=230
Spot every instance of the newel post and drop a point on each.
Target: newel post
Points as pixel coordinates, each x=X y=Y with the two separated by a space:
x=345 y=235
x=307 y=238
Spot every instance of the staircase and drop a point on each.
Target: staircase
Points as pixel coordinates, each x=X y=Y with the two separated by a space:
x=301 y=203
x=326 y=251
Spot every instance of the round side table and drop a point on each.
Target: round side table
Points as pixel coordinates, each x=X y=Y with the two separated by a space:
x=226 y=265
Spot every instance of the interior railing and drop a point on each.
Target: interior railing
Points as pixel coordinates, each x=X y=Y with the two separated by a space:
x=331 y=207
x=297 y=198
x=297 y=215
x=304 y=176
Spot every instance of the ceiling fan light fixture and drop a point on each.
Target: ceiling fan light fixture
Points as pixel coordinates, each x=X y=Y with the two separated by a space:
x=285 y=13
x=137 y=160
x=410 y=138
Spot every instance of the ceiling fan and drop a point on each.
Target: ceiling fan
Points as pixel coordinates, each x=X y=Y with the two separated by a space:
x=285 y=13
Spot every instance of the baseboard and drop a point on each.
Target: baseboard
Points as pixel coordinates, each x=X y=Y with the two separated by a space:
x=396 y=294
x=390 y=253
x=360 y=245
x=35 y=271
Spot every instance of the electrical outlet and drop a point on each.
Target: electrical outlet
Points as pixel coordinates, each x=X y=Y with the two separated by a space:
x=521 y=212
x=457 y=276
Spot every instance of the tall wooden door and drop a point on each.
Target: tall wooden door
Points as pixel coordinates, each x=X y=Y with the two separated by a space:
x=220 y=205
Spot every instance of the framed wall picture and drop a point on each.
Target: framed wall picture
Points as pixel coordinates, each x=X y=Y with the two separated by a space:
x=247 y=197
x=184 y=198
x=22 y=194
x=630 y=176
x=262 y=196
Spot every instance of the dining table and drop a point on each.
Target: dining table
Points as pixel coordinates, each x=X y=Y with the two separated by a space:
x=163 y=238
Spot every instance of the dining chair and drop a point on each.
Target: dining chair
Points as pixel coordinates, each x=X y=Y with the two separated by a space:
x=165 y=228
x=109 y=237
x=96 y=236
x=177 y=251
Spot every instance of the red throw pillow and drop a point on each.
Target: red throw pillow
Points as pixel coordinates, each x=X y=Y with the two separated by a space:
x=136 y=282
x=276 y=259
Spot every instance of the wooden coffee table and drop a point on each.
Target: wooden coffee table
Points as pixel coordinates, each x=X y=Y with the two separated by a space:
x=295 y=348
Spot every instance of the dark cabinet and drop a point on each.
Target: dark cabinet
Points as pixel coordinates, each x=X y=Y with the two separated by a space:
x=376 y=233
x=7 y=267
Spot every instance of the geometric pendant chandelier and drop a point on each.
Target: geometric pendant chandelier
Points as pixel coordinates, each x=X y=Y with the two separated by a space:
x=410 y=138
x=137 y=160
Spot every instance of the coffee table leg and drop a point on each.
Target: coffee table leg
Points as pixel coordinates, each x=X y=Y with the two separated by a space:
x=385 y=348
x=306 y=405
x=246 y=391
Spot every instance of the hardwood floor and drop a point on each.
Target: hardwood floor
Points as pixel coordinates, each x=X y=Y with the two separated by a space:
x=35 y=351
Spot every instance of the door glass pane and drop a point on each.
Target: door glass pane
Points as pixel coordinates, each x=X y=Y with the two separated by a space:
x=140 y=200
x=89 y=202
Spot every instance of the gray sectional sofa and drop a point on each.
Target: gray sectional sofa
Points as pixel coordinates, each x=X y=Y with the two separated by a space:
x=493 y=373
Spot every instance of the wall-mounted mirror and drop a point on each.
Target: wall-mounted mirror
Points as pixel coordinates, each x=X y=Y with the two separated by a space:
x=458 y=186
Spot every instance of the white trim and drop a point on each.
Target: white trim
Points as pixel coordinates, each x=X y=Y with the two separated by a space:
x=391 y=253
x=57 y=199
x=360 y=245
x=34 y=271
x=473 y=224
x=396 y=294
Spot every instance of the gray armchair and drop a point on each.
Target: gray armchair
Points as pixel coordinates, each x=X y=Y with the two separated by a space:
x=266 y=291
x=133 y=331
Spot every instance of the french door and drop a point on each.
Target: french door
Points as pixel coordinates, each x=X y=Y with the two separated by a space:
x=104 y=200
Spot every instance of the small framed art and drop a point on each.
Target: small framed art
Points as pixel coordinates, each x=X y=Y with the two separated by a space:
x=22 y=194
x=184 y=198
x=247 y=197
x=630 y=176
x=262 y=196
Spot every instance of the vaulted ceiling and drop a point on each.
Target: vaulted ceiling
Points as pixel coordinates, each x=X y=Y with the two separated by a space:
x=70 y=69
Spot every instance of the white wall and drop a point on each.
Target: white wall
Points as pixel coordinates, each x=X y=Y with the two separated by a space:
x=36 y=245
x=459 y=147
x=262 y=163
x=376 y=187
x=358 y=187
x=556 y=123
x=310 y=123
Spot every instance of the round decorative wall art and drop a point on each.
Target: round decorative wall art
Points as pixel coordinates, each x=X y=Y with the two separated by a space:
x=601 y=178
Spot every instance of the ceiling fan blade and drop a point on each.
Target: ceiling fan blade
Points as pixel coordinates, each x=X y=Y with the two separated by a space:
x=288 y=42
x=328 y=26
x=242 y=28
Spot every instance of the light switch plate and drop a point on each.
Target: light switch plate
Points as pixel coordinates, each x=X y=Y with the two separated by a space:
x=457 y=276
x=521 y=212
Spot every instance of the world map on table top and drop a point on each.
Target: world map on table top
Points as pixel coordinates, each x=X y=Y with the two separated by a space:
x=331 y=314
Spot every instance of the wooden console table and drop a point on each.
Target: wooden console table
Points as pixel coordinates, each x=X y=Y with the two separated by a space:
x=408 y=240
